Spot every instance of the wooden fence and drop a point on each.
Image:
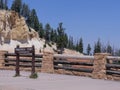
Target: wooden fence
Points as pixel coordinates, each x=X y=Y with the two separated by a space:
x=113 y=65
x=26 y=61
x=100 y=66
x=74 y=63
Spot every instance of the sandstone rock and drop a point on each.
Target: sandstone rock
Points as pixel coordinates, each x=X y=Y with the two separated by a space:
x=14 y=27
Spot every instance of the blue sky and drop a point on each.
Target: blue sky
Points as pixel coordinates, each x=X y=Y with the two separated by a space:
x=89 y=19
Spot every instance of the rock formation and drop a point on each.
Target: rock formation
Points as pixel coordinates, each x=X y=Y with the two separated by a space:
x=14 y=31
x=14 y=27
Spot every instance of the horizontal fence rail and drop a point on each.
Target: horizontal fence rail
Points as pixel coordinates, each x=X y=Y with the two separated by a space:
x=62 y=62
x=113 y=58
x=73 y=57
x=74 y=69
x=113 y=65
x=22 y=60
x=23 y=65
x=25 y=55
x=111 y=72
x=72 y=63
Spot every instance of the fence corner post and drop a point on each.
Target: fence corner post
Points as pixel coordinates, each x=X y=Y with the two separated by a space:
x=47 y=63
x=99 y=66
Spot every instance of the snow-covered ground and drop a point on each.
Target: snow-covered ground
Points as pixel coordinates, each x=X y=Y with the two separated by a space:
x=38 y=43
x=53 y=82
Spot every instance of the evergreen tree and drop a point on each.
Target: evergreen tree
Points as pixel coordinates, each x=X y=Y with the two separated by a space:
x=33 y=21
x=41 y=31
x=109 y=49
x=25 y=11
x=61 y=37
x=88 y=49
x=70 y=44
x=81 y=46
x=3 y=4
x=97 y=47
x=47 y=32
x=53 y=35
x=17 y=5
x=65 y=40
x=77 y=46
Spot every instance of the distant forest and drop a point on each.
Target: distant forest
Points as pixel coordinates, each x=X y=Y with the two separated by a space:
x=56 y=35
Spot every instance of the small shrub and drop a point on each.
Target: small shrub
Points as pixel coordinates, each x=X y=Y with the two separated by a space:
x=34 y=76
x=52 y=43
x=44 y=46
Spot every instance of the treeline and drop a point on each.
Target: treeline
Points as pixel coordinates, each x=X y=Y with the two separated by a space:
x=58 y=35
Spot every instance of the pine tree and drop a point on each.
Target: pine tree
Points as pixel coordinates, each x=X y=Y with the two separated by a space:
x=109 y=49
x=41 y=31
x=33 y=21
x=70 y=42
x=65 y=40
x=53 y=35
x=25 y=11
x=88 y=49
x=47 y=32
x=77 y=46
x=81 y=46
x=3 y=4
x=17 y=5
x=97 y=47
x=61 y=37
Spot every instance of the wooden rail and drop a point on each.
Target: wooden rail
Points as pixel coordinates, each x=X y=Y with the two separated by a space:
x=72 y=63
x=73 y=57
x=113 y=65
x=111 y=72
x=25 y=55
x=113 y=58
x=23 y=65
x=22 y=60
x=74 y=69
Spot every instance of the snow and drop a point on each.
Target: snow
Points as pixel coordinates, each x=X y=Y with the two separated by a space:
x=38 y=43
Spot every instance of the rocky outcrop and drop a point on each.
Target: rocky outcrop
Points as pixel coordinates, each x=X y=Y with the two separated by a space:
x=14 y=31
x=14 y=27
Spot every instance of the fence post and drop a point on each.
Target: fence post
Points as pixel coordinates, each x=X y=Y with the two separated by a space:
x=47 y=63
x=99 y=66
x=33 y=60
x=17 y=63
